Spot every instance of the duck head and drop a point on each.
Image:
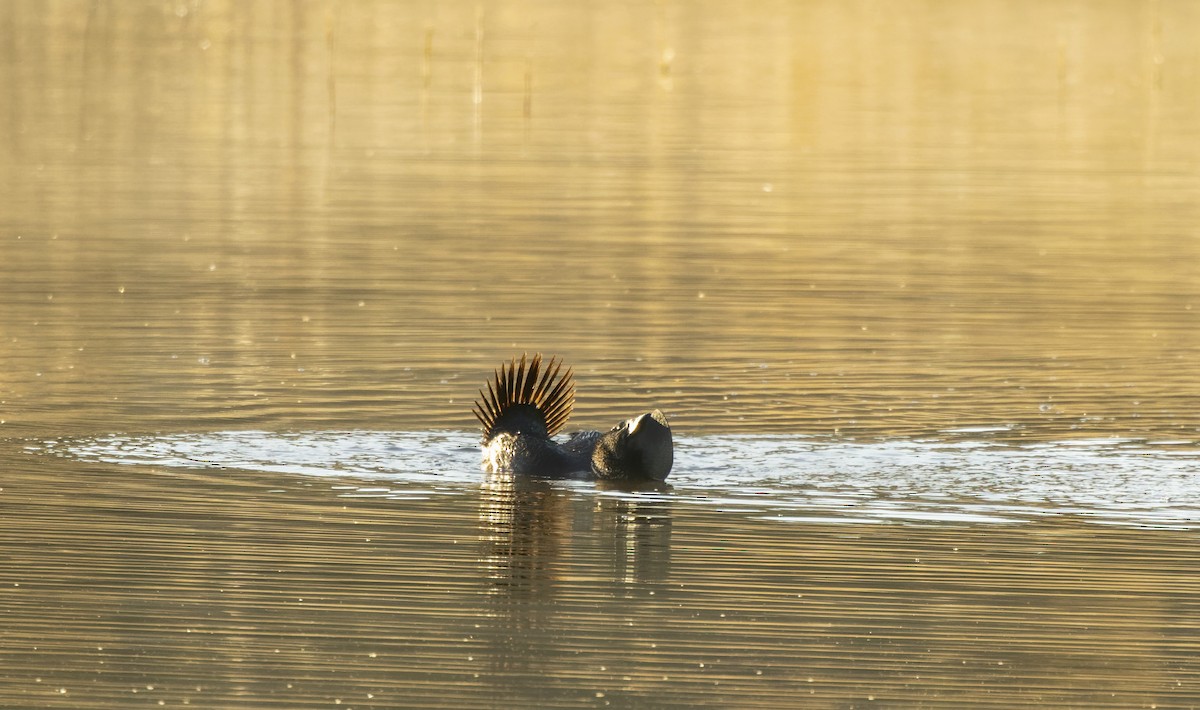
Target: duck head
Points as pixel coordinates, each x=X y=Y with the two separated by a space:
x=636 y=449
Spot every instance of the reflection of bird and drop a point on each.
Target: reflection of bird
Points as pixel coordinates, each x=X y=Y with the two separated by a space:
x=525 y=406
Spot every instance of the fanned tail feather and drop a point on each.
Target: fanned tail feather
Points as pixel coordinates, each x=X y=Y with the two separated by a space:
x=525 y=398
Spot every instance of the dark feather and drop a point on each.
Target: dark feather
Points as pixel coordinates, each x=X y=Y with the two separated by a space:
x=523 y=397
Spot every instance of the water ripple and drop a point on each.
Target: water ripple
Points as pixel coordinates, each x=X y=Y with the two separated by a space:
x=785 y=478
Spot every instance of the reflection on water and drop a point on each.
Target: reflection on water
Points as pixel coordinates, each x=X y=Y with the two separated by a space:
x=918 y=284
x=824 y=218
x=219 y=587
x=530 y=534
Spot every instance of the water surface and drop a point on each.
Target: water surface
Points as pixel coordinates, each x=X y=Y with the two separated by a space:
x=257 y=569
x=918 y=284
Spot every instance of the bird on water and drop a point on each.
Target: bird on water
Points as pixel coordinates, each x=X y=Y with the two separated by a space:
x=526 y=405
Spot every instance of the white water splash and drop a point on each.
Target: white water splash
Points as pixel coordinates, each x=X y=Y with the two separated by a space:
x=788 y=478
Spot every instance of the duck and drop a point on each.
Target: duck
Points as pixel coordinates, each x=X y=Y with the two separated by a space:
x=527 y=404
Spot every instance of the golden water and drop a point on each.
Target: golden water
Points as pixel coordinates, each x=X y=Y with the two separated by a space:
x=841 y=224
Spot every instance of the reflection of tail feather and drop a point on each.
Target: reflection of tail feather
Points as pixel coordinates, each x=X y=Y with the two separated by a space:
x=522 y=523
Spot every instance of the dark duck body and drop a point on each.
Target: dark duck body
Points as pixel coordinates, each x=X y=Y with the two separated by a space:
x=526 y=405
